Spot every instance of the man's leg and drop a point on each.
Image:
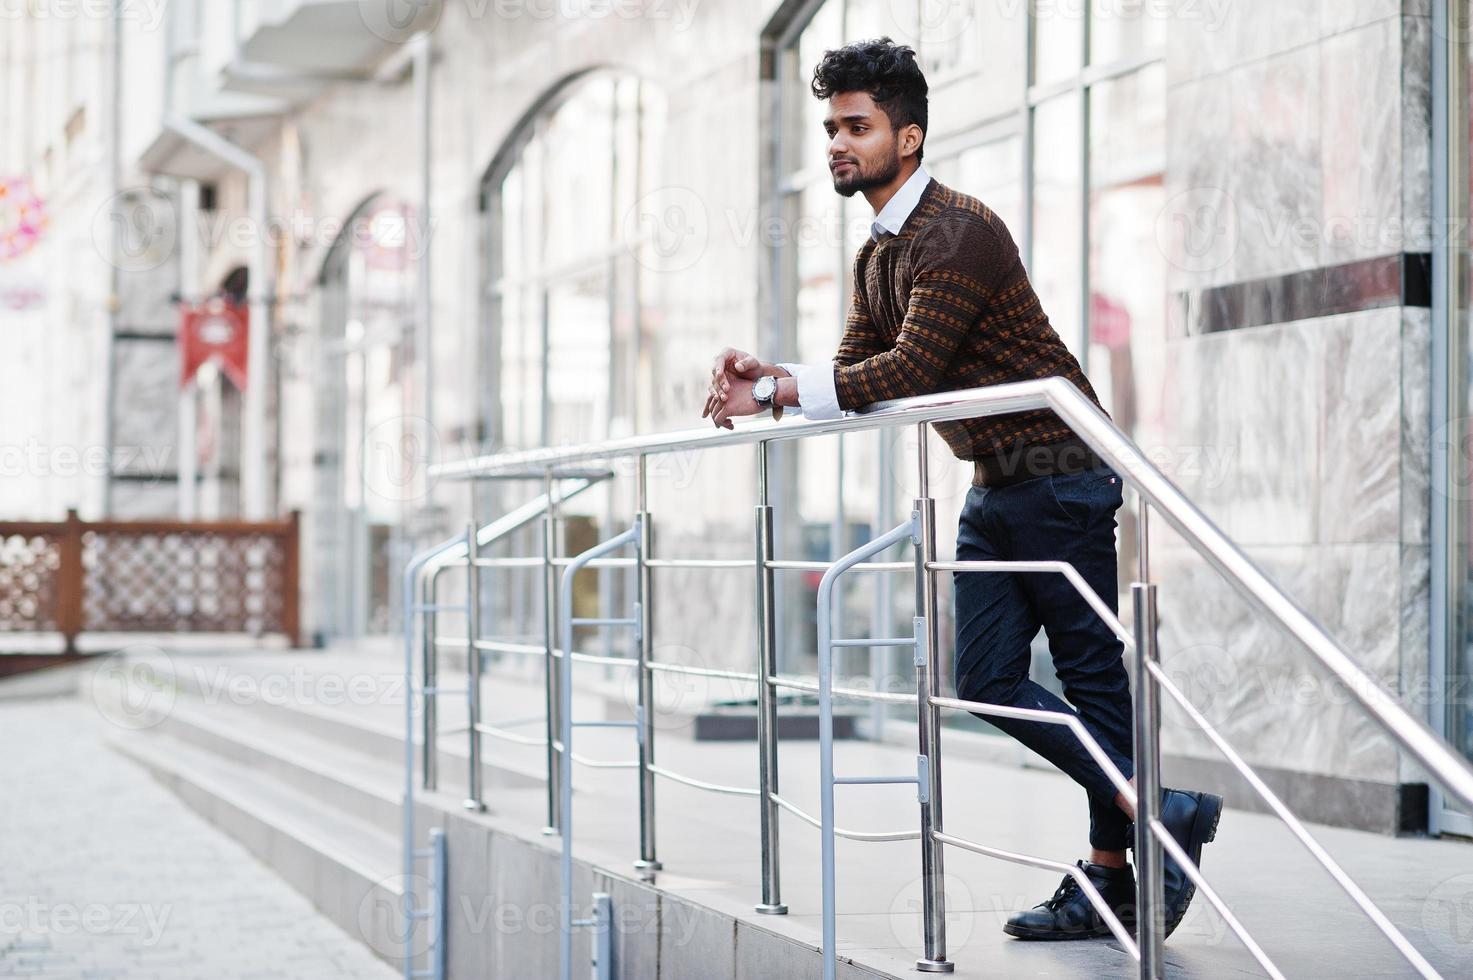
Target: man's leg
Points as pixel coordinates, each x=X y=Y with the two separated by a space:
x=995 y=625
x=1078 y=526
x=996 y=620
x=1072 y=519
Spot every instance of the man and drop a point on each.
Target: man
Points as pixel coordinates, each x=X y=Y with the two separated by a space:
x=941 y=302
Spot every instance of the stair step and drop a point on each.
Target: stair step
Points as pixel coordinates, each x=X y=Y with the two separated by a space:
x=348 y=868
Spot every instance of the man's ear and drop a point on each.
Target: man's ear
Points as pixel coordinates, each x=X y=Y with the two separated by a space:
x=911 y=139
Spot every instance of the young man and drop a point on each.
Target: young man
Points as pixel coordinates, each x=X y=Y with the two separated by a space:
x=941 y=302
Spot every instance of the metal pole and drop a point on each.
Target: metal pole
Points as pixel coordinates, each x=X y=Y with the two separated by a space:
x=928 y=722
x=644 y=636
x=1150 y=902
x=550 y=678
x=1143 y=539
x=880 y=660
x=430 y=670
x=767 y=699
x=473 y=800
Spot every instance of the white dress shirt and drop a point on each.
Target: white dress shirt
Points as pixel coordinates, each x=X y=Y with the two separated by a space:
x=817 y=395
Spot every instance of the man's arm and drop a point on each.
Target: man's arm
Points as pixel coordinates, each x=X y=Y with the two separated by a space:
x=812 y=388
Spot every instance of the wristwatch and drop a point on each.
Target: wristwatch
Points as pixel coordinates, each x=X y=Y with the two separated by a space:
x=764 y=389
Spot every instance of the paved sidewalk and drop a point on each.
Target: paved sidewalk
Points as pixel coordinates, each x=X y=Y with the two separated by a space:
x=106 y=874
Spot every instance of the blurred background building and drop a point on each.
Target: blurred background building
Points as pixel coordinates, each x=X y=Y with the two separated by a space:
x=458 y=227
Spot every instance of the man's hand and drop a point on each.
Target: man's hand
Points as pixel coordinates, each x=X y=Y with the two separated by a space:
x=736 y=401
x=724 y=370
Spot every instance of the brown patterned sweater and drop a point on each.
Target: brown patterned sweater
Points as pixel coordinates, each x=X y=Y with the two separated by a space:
x=946 y=304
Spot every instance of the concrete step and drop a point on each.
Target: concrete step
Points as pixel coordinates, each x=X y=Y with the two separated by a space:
x=348 y=868
x=298 y=696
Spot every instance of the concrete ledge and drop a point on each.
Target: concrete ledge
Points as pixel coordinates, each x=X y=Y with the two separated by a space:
x=1357 y=804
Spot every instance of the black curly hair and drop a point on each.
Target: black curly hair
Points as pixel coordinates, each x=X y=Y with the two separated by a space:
x=886 y=71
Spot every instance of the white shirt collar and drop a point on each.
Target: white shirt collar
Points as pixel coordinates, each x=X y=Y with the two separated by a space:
x=892 y=216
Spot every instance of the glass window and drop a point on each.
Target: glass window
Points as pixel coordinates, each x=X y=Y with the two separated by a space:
x=1122 y=29
x=1058 y=40
x=1127 y=311
x=1057 y=202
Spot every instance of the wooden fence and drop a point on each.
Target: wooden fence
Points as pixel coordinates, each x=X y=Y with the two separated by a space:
x=75 y=576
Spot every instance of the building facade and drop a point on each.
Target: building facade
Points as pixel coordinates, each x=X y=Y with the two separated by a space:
x=1246 y=219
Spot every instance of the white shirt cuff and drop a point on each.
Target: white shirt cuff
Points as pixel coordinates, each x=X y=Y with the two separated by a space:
x=816 y=393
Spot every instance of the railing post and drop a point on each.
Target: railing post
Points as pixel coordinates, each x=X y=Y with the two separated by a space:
x=70 y=587
x=767 y=698
x=1150 y=902
x=928 y=722
x=644 y=636
x=291 y=593
x=473 y=800
x=430 y=671
x=551 y=677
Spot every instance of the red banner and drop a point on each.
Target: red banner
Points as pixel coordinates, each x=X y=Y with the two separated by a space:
x=215 y=330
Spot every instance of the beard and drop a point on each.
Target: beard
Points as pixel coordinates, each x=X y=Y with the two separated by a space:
x=859 y=178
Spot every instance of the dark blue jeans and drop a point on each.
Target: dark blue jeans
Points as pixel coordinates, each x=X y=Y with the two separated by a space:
x=1068 y=518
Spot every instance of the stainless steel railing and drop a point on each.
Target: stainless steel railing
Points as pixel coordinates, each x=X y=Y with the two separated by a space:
x=1155 y=492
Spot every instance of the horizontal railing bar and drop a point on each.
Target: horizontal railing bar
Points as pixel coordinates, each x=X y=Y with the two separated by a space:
x=700 y=562
x=702 y=784
x=508 y=646
x=864 y=780
x=584 y=760
x=439 y=607
x=889 y=641
x=510 y=562
x=735 y=675
x=960 y=404
x=793 y=564
x=798 y=684
x=597 y=658
x=507 y=736
x=458 y=729
x=1087 y=886
x=563 y=561
x=604 y=724
x=863 y=835
x=604 y=621
x=1316 y=850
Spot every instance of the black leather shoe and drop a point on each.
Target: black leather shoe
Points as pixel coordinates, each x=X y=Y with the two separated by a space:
x=1191 y=818
x=1069 y=914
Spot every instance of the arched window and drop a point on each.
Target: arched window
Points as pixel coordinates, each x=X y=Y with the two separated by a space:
x=563 y=287
x=367 y=408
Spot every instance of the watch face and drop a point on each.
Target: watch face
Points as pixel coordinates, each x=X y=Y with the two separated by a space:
x=765 y=388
